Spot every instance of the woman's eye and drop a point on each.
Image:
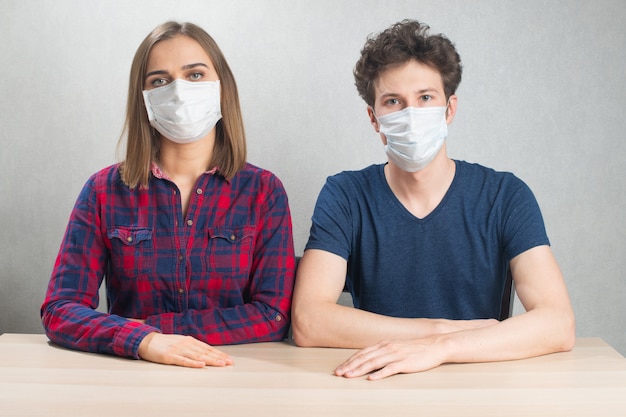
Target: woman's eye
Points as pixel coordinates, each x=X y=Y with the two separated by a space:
x=196 y=76
x=159 y=82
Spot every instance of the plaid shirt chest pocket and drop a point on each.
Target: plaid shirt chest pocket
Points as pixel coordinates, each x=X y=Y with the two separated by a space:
x=131 y=250
x=229 y=251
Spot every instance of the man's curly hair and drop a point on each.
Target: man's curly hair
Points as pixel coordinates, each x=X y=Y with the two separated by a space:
x=401 y=42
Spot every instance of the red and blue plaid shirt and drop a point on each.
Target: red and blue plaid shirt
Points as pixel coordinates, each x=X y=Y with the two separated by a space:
x=222 y=273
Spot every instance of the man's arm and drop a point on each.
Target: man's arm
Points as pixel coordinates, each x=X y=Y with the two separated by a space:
x=547 y=326
x=318 y=320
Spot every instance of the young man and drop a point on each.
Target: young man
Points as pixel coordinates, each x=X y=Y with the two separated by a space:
x=425 y=241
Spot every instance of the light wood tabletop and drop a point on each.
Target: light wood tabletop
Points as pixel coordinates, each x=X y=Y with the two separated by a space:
x=38 y=378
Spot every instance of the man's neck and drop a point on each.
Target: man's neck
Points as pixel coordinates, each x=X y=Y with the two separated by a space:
x=421 y=192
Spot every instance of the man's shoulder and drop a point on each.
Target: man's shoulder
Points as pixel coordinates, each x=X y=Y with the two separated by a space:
x=474 y=171
x=357 y=176
x=353 y=186
x=476 y=180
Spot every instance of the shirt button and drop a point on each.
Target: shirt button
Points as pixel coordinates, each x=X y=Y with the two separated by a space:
x=278 y=317
x=232 y=237
x=199 y=191
x=180 y=290
x=129 y=239
x=189 y=222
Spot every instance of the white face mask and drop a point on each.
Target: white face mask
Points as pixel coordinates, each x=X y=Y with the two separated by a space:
x=414 y=135
x=184 y=111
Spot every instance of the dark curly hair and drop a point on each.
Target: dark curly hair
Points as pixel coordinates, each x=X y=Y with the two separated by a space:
x=401 y=42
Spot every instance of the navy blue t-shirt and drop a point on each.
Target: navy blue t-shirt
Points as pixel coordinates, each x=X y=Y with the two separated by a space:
x=450 y=264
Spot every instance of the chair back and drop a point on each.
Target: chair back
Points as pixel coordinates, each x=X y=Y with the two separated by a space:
x=508 y=296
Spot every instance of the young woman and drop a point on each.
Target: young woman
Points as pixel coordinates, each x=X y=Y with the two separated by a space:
x=195 y=243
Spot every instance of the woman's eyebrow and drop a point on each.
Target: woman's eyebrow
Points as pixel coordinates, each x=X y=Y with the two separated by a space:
x=185 y=67
x=157 y=72
x=197 y=64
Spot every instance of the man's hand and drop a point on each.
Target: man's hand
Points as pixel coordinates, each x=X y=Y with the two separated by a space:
x=172 y=349
x=393 y=357
x=405 y=356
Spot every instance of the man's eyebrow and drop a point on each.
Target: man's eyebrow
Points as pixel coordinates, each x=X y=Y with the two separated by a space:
x=385 y=95
x=185 y=67
x=418 y=92
x=427 y=90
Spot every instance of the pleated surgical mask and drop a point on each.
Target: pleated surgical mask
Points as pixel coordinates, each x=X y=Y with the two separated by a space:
x=184 y=111
x=414 y=135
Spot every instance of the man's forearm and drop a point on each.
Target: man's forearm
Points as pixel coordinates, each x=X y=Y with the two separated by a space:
x=334 y=325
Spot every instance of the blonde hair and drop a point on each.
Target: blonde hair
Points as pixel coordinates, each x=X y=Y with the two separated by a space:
x=142 y=144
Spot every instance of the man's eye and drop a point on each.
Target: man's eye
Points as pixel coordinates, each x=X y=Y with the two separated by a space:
x=427 y=97
x=393 y=101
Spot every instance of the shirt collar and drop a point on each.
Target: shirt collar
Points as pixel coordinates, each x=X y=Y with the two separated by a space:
x=158 y=173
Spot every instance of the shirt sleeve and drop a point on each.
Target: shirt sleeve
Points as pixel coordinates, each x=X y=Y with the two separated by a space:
x=331 y=224
x=68 y=311
x=523 y=223
x=265 y=315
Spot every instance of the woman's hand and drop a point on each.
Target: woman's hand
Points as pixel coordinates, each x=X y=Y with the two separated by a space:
x=173 y=349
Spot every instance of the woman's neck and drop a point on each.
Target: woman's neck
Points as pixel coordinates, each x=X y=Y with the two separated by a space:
x=185 y=161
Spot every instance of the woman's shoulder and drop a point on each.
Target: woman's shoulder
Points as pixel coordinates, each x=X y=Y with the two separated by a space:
x=261 y=177
x=105 y=176
x=108 y=170
x=251 y=170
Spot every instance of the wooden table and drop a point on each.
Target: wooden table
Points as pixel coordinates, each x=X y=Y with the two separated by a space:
x=38 y=378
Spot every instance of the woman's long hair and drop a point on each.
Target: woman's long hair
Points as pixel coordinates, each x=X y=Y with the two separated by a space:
x=142 y=143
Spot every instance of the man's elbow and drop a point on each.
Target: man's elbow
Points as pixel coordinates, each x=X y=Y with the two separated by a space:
x=568 y=333
x=302 y=330
x=300 y=339
x=571 y=335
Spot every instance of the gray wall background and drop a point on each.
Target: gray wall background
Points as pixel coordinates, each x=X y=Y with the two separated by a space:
x=543 y=95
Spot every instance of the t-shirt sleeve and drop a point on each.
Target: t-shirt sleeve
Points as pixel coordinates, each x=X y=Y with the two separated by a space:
x=523 y=225
x=331 y=228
